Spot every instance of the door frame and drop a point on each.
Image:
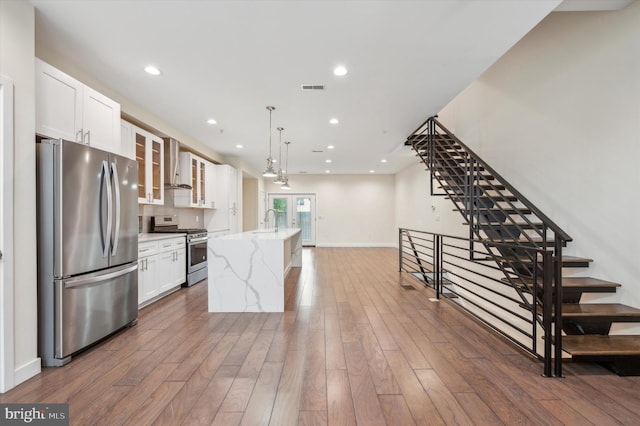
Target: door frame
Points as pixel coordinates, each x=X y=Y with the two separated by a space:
x=7 y=370
x=293 y=196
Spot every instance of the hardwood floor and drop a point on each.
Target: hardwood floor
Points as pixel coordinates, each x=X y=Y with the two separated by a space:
x=354 y=346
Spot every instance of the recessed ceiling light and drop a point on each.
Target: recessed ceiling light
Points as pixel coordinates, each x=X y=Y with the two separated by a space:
x=340 y=70
x=334 y=121
x=372 y=171
x=273 y=160
x=150 y=69
x=239 y=146
x=327 y=171
x=330 y=146
x=212 y=121
x=383 y=160
x=327 y=161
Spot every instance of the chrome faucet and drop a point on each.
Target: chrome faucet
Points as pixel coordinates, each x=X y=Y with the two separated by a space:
x=275 y=219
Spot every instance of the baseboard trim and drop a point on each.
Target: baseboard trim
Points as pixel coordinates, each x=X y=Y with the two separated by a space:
x=27 y=371
x=372 y=245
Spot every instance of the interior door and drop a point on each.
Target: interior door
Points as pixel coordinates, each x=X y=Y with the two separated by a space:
x=296 y=211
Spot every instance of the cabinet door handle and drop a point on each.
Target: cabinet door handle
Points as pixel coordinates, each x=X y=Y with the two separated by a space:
x=79 y=136
x=88 y=134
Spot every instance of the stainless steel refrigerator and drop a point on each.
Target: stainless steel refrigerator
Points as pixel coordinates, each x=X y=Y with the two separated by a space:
x=87 y=247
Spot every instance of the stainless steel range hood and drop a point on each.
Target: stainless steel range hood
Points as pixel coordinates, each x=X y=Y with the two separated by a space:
x=172 y=165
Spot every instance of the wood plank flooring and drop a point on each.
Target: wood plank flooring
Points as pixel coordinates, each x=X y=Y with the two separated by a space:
x=358 y=344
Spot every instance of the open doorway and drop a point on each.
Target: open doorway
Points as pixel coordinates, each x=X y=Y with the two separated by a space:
x=296 y=211
x=250 y=208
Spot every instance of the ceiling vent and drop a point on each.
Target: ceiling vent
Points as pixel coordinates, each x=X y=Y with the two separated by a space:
x=312 y=87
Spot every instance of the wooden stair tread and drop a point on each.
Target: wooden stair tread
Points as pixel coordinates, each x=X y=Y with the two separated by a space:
x=508 y=211
x=590 y=284
x=567 y=261
x=521 y=239
x=587 y=283
x=523 y=225
x=496 y=187
x=572 y=287
x=459 y=198
x=595 y=310
x=598 y=345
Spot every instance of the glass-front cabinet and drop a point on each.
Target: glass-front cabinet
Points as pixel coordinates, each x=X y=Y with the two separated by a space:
x=150 y=158
x=197 y=181
x=200 y=174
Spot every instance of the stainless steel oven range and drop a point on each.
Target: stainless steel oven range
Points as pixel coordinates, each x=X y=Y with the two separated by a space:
x=196 y=246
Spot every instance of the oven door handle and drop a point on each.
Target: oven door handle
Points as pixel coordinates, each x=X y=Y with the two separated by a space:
x=198 y=240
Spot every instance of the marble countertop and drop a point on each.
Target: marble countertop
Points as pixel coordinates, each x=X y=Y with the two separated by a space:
x=142 y=238
x=263 y=234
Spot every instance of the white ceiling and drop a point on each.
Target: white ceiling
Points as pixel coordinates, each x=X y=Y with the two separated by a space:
x=228 y=60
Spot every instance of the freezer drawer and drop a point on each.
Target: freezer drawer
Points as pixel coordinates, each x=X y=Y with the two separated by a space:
x=90 y=307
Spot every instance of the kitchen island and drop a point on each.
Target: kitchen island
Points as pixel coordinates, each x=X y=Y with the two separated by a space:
x=247 y=271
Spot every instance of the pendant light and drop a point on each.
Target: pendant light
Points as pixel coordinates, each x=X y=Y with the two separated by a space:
x=269 y=172
x=285 y=184
x=280 y=178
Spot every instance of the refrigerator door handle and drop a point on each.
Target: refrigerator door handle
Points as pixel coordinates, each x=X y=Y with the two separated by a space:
x=106 y=238
x=92 y=280
x=115 y=182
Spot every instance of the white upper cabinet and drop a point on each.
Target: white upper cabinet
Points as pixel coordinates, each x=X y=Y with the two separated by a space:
x=67 y=109
x=128 y=143
x=201 y=175
x=210 y=190
x=149 y=154
x=58 y=103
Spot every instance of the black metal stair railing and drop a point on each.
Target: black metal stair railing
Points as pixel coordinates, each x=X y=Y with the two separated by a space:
x=451 y=267
x=496 y=213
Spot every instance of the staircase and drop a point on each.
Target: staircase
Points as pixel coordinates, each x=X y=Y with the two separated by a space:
x=496 y=212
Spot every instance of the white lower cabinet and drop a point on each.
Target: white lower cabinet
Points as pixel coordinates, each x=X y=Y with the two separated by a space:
x=172 y=268
x=147 y=270
x=162 y=266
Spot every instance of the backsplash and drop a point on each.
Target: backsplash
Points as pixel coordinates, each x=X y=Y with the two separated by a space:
x=187 y=218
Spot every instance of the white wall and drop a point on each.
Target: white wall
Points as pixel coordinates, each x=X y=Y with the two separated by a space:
x=352 y=210
x=559 y=117
x=417 y=209
x=17 y=63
